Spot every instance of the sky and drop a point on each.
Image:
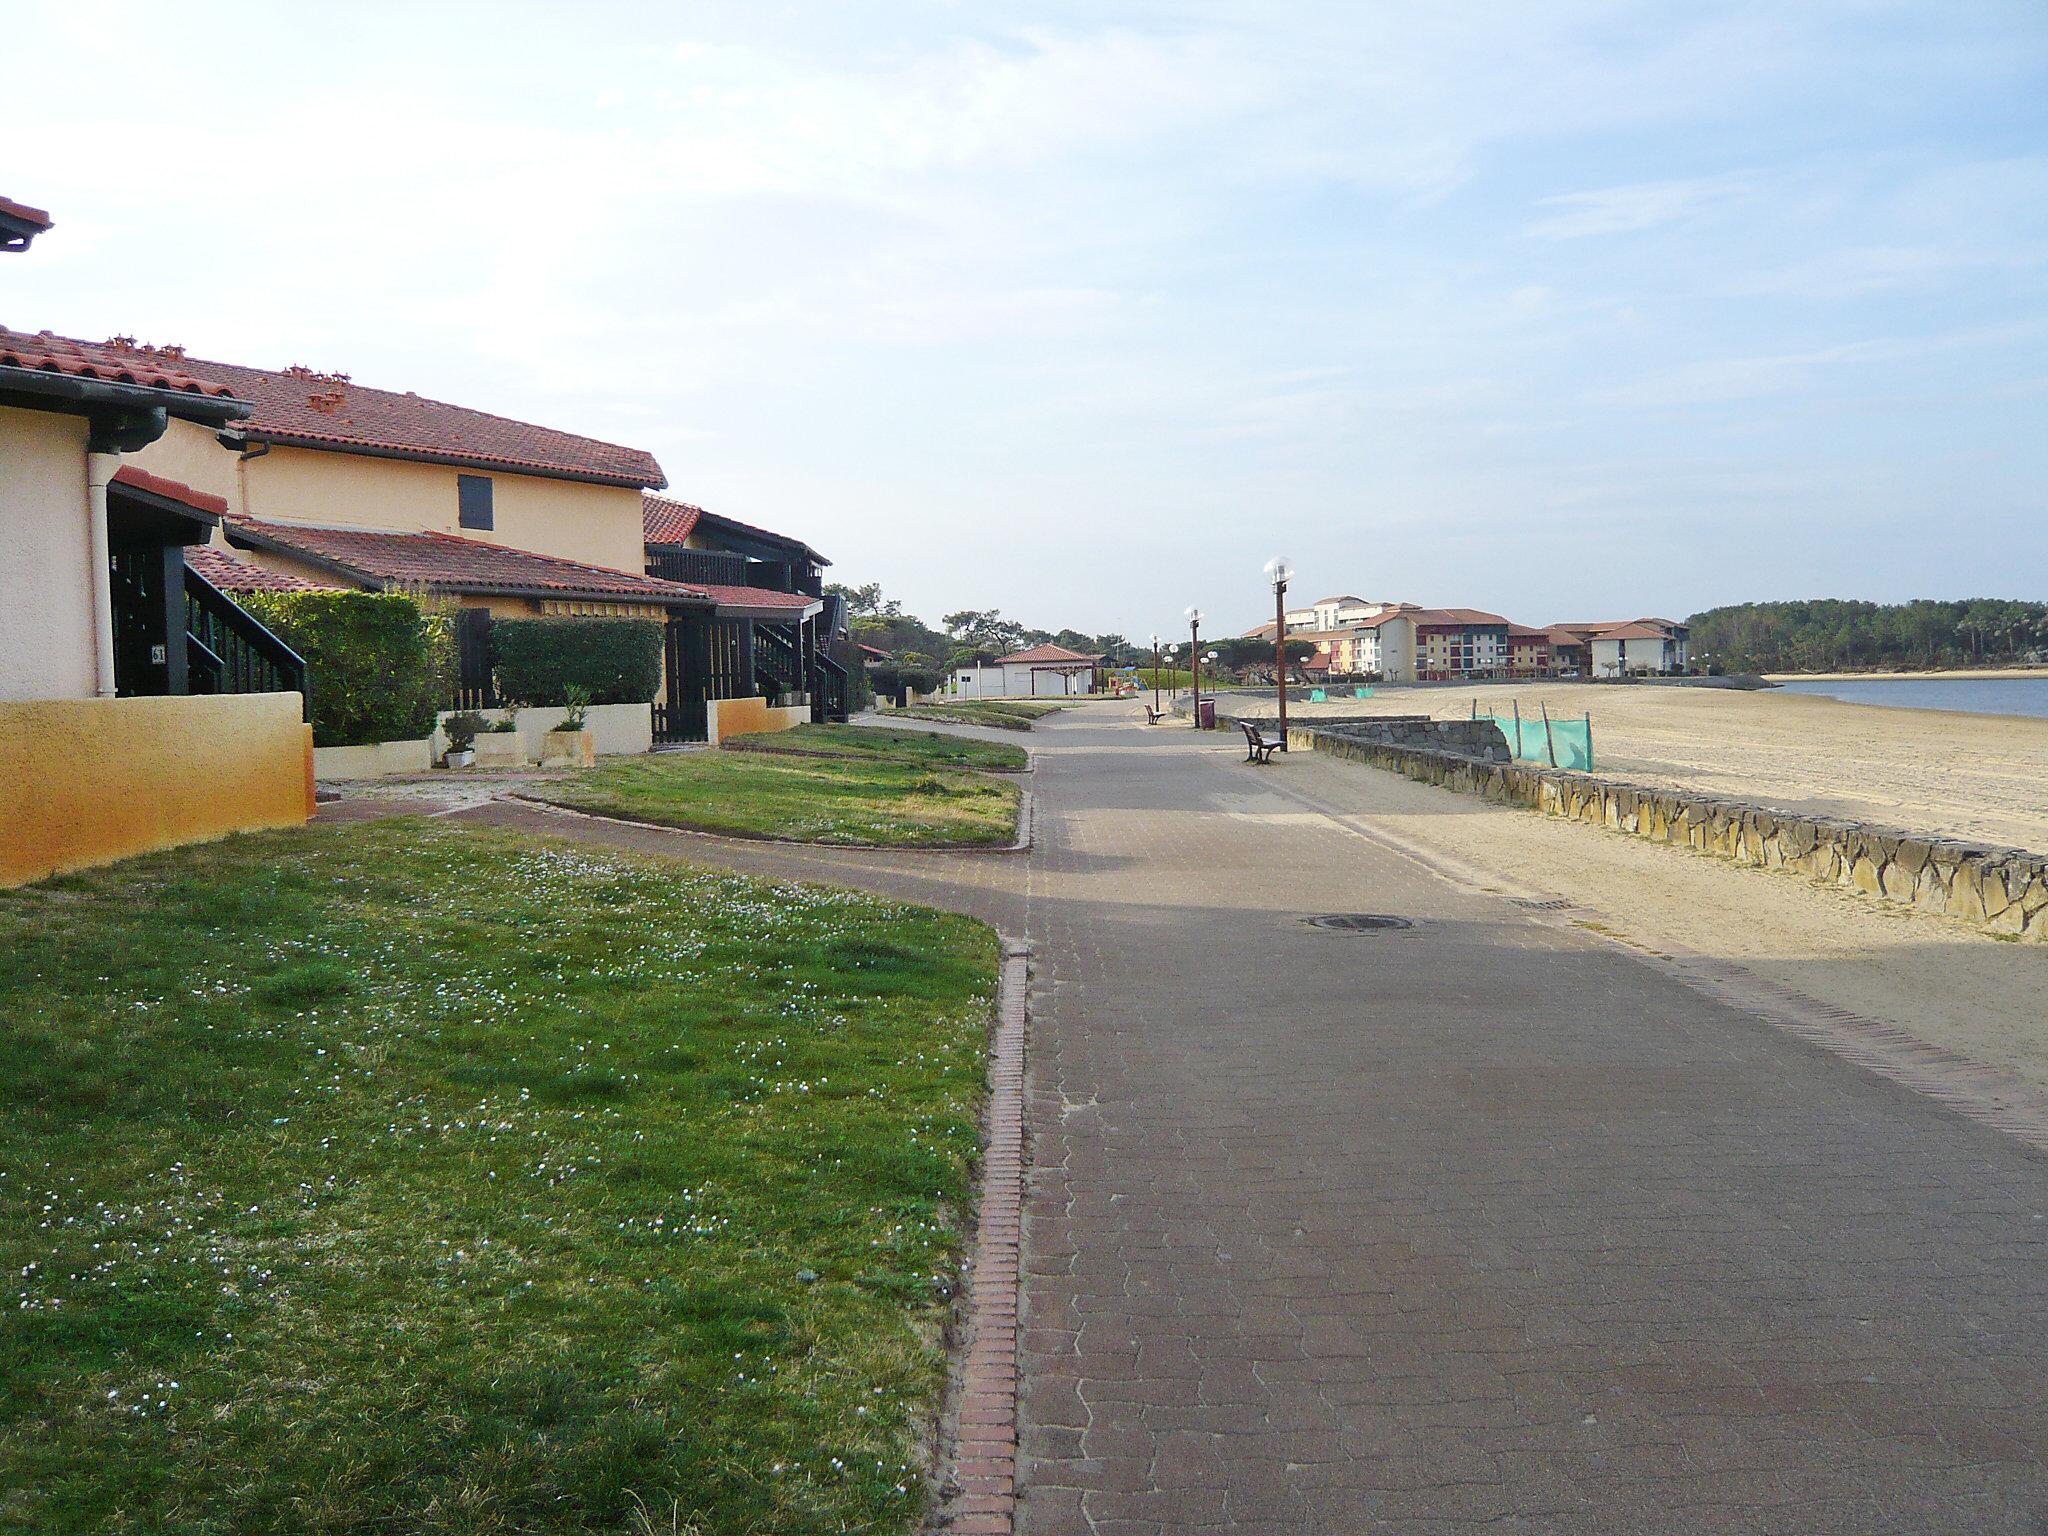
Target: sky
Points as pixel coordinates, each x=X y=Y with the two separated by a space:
x=1568 y=311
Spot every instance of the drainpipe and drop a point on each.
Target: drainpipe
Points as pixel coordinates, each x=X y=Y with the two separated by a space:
x=99 y=471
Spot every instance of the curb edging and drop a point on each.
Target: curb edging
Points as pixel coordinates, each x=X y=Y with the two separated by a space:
x=982 y=1464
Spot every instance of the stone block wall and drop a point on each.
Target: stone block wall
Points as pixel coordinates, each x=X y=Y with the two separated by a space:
x=1472 y=738
x=2004 y=890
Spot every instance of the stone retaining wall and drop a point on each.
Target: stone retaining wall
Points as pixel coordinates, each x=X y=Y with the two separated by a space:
x=1473 y=738
x=2002 y=889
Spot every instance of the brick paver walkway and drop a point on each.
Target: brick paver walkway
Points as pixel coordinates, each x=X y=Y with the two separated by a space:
x=1480 y=1225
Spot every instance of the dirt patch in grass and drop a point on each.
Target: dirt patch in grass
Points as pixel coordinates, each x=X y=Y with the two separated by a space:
x=879 y=741
x=1003 y=714
x=413 y=1178
x=854 y=798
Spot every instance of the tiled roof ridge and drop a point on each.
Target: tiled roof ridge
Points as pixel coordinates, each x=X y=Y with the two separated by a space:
x=46 y=352
x=301 y=405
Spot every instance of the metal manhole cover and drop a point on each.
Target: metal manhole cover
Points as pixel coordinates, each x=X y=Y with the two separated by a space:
x=1542 y=906
x=1357 y=922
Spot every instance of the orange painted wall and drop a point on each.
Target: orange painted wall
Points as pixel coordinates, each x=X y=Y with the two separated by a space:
x=88 y=781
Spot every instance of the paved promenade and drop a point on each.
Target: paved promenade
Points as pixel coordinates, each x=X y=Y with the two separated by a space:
x=1479 y=1224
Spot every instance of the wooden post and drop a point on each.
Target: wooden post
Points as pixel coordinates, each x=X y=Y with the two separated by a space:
x=1549 y=741
x=1518 y=730
x=1589 y=741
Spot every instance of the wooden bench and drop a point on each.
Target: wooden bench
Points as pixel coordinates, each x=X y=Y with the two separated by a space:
x=1153 y=716
x=1259 y=747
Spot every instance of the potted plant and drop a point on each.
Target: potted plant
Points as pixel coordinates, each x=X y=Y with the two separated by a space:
x=570 y=744
x=499 y=744
x=461 y=731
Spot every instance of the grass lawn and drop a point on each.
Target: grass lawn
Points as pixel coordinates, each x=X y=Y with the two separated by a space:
x=406 y=1178
x=904 y=746
x=853 y=798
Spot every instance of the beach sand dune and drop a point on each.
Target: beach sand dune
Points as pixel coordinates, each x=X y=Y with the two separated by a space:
x=1980 y=777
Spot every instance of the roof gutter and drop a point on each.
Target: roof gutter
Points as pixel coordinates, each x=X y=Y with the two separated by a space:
x=124 y=417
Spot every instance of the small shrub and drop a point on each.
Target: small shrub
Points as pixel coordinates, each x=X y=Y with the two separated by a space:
x=463 y=729
x=377 y=663
x=575 y=707
x=615 y=661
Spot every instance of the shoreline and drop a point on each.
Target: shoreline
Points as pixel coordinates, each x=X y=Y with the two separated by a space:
x=1951 y=674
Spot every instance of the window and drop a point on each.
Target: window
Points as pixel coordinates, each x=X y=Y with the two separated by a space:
x=475 y=492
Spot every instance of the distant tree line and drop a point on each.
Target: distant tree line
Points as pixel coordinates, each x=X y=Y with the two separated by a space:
x=922 y=656
x=1834 y=635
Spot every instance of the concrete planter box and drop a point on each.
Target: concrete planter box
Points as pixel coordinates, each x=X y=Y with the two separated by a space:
x=376 y=760
x=464 y=757
x=569 y=749
x=620 y=730
x=501 y=749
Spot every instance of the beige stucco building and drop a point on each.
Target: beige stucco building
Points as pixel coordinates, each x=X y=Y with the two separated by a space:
x=594 y=522
x=115 y=737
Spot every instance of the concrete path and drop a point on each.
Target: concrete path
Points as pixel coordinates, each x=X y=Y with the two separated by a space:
x=1479 y=1224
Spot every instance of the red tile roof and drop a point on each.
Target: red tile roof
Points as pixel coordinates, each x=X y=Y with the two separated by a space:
x=136 y=478
x=1044 y=653
x=88 y=360
x=235 y=575
x=446 y=563
x=1635 y=631
x=1450 y=618
x=298 y=407
x=23 y=212
x=664 y=520
x=760 y=597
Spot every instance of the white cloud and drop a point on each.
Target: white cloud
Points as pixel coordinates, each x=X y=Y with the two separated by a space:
x=1643 y=205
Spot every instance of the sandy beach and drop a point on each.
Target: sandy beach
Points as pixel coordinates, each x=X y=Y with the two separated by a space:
x=1981 y=777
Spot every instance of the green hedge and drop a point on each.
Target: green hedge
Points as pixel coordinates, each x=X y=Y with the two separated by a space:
x=378 y=664
x=538 y=660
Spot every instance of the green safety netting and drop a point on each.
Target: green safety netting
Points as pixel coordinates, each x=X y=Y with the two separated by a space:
x=1535 y=741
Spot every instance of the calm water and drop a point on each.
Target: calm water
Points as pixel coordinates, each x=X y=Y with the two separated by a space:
x=1970 y=695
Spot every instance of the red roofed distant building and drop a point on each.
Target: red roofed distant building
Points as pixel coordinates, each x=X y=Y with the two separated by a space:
x=1036 y=672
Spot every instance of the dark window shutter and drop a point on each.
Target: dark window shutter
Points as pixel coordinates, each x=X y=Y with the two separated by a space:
x=475 y=491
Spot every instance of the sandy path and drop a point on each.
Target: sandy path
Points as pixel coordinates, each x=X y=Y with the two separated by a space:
x=1929 y=975
x=1983 y=777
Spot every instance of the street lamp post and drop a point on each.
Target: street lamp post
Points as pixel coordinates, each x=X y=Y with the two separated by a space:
x=1155 y=674
x=1195 y=659
x=1278 y=571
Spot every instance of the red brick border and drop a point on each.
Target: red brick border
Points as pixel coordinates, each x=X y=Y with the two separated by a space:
x=984 y=1450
